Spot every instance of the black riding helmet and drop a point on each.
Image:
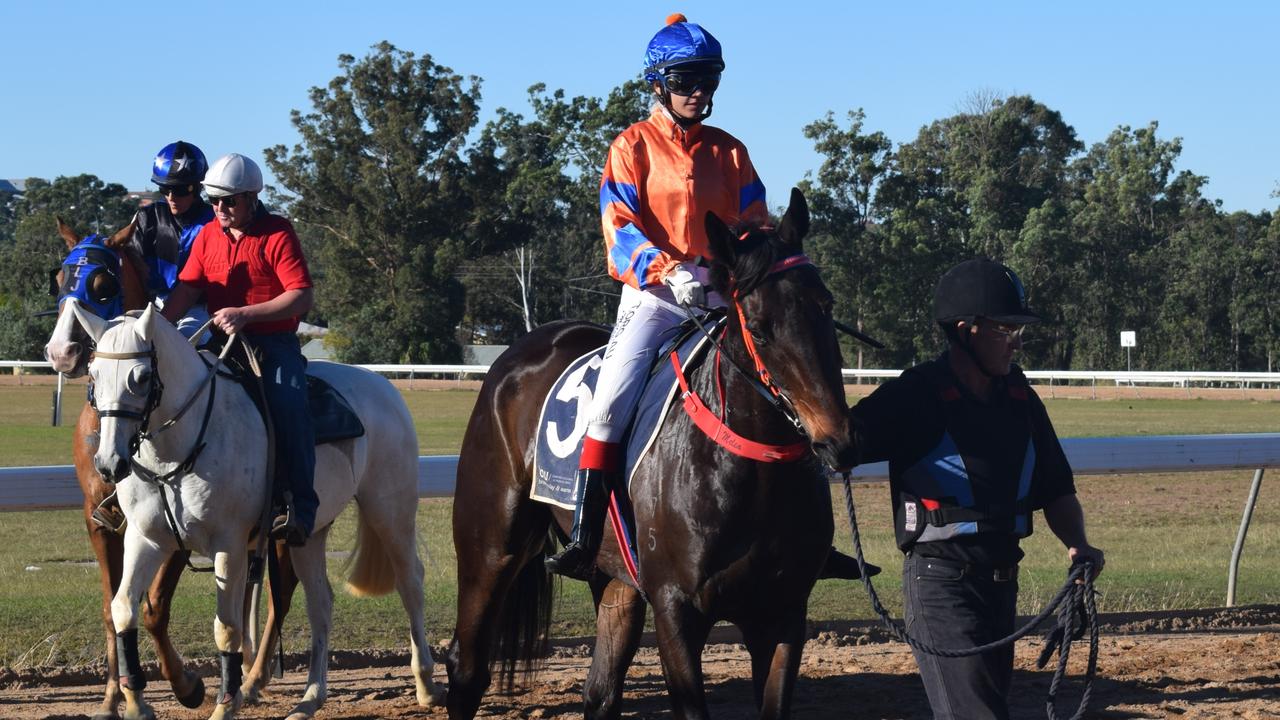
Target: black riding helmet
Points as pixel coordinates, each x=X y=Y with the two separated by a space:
x=982 y=288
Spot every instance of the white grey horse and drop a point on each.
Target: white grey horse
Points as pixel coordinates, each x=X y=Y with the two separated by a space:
x=216 y=502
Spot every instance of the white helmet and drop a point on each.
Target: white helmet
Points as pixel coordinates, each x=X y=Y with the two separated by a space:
x=232 y=174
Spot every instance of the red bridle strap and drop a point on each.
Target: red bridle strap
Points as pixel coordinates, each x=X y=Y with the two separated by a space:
x=784 y=264
x=720 y=433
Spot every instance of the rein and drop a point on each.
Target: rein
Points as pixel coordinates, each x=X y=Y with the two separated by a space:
x=1080 y=599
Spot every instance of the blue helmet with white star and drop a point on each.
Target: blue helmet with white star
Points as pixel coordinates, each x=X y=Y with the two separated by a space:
x=179 y=163
x=681 y=43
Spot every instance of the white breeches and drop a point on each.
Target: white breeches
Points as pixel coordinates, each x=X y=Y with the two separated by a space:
x=646 y=319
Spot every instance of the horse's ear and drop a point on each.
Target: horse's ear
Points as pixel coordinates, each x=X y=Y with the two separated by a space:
x=90 y=321
x=721 y=239
x=67 y=233
x=147 y=323
x=724 y=254
x=123 y=235
x=795 y=224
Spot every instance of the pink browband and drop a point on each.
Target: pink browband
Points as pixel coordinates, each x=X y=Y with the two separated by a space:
x=786 y=263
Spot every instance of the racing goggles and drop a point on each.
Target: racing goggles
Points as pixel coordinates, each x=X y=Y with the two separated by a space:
x=176 y=190
x=687 y=83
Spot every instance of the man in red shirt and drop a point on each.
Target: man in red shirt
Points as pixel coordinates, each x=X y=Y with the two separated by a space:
x=250 y=267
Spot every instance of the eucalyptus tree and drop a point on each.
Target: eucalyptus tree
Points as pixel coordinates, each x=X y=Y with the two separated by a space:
x=381 y=184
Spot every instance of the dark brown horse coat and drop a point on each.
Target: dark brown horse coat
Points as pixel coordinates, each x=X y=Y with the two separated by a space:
x=719 y=537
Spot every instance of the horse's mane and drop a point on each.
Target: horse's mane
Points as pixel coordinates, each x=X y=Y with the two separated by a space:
x=755 y=254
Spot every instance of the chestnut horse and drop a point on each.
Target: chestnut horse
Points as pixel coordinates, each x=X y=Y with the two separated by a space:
x=721 y=537
x=68 y=351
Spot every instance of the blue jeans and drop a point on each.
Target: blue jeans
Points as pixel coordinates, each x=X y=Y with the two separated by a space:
x=952 y=606
x=285 y=383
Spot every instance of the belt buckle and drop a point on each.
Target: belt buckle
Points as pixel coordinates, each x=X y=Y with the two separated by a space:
x=1004 y=574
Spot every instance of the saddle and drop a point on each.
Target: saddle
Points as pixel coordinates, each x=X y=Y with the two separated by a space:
x=332 y=418
x=563 y=422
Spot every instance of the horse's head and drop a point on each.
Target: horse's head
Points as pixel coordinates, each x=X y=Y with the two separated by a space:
x=126 y=388
x=782 y=313
x=90 y=286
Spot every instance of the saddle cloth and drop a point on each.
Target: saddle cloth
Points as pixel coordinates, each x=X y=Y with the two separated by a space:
x=563 y=422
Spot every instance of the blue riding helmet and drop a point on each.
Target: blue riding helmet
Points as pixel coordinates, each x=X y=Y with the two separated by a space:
x=179 y=163
x=681 y=43
x=82 y=278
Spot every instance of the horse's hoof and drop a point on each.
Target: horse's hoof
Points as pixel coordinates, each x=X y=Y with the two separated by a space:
x=227 y=710
x=250 y=692
x=195 y=697
x=439 y=696
x=105 y=716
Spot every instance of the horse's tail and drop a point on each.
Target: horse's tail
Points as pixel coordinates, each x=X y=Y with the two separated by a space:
x=520 y=642
x=370 y=572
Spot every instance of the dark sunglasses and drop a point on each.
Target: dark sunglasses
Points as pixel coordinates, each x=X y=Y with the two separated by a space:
x=225 y=200
x=176 y=190
x=686 y=83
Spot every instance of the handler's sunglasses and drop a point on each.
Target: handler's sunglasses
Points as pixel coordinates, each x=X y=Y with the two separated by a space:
x=1008 y=332
x=225 y=200
x=686 y=83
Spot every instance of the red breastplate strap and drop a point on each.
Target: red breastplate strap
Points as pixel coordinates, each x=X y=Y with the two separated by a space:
x=715 y=429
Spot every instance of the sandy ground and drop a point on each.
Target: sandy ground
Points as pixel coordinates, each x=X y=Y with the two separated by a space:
x=1202 y=664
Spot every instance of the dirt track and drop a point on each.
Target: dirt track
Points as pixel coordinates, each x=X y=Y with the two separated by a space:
x=1204 y=664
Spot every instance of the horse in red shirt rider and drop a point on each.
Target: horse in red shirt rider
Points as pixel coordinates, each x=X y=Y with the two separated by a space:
x=250 y=267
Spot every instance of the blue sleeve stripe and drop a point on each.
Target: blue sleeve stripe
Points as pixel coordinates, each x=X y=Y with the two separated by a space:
x=750 y=194
x=626 y=240
x=612 y=191
x=643 y=260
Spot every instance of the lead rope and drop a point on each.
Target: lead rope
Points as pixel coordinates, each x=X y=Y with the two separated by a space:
x=1079 y=586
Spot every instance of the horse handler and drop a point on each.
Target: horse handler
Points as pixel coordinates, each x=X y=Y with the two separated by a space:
x=255 y=279
x=971 y=454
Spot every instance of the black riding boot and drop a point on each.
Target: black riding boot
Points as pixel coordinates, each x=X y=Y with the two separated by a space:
x=842 y=567
x=578 y=559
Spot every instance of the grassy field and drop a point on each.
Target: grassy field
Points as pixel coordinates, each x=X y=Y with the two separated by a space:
x=1168 y=538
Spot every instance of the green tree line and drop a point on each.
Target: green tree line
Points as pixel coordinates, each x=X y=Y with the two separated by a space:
x=427 y=230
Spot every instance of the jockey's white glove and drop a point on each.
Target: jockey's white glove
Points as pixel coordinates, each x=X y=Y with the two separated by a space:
x=685 y=286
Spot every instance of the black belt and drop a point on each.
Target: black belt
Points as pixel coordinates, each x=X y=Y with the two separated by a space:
x=996 y=574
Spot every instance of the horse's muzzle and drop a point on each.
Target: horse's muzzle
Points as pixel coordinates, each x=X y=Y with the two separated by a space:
x=112 y=472
x=840 y=457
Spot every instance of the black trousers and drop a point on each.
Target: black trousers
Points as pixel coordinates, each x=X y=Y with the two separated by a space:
x=953 y=606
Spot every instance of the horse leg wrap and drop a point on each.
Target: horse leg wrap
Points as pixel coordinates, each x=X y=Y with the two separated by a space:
x=231 y=676
x=127 y=658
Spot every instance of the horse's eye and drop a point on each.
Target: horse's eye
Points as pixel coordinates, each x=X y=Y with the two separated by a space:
x=757 y=336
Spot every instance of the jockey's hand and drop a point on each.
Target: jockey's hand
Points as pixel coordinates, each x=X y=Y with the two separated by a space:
x=685 y=287
x=231 y=320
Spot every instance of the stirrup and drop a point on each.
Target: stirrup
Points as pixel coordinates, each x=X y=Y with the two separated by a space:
x=286 y=527
x=110 y=518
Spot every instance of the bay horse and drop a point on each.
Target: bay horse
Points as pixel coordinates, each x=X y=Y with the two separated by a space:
x=119 y=282
x=720 y=537
x=202 y=485
x=68 y=351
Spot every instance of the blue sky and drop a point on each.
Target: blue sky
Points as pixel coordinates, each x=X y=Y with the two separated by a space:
x=86 y=86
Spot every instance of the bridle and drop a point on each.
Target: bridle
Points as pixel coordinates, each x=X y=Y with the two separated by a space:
x=144 y=433
x=762 y=380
